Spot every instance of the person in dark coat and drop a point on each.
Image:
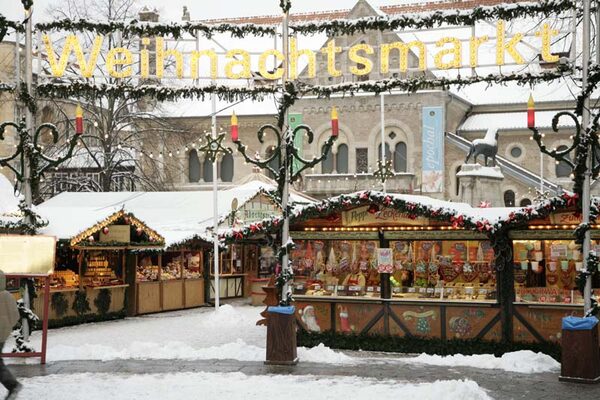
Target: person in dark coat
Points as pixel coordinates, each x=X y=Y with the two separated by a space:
x=9 y=316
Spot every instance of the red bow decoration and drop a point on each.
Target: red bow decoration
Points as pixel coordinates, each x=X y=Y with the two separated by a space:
x=364 y=195
x=238 y=235
x=512 y=216
x=275 y=222
x=411 y=206
x=387 y=200
x=571 y=200
x=457 y=221
x=485 y=204
x=255 y=227
x=484 y=226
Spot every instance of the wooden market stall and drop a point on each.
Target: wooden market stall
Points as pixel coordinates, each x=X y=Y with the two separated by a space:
x=440 y=281
x=90 y=280
x=546 y=261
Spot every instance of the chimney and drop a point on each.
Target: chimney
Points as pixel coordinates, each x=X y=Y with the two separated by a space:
x=147 y=15
x=186 y=14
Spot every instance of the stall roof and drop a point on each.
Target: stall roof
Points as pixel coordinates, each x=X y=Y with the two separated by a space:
x=177 y=216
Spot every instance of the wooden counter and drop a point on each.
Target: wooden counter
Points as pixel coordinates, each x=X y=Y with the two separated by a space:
x=176 y=294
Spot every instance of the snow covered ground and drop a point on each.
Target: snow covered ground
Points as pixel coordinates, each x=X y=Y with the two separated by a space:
x=231 y=333
x=230 y=386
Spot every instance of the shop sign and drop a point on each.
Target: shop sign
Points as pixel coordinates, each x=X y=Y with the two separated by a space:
x=566 y=218
x=386 y=216
x=258 y=209
x=117 y=234
x=27 y=254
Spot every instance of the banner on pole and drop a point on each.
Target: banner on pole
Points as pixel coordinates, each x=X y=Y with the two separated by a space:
x=432 y=178
x=294 y=120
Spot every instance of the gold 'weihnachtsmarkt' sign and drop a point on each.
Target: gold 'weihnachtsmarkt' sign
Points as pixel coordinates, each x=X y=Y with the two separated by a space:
x=447 y=53
x=386 y=216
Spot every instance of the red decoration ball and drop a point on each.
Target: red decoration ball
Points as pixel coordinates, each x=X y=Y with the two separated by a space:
x=105 y=230
x=138 y=231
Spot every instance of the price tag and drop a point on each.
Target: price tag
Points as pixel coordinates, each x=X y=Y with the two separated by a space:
x=483 y=291
x=438 y=290
x=317 y=287
x=430 y=290
x=354 y=288
x=450 y=290
x=469 y=290
x=412 y=290
x=299 y=287
x=422 y=290
x=397 y=290
x=370 y=289
x=378 y=289
x=330 y=288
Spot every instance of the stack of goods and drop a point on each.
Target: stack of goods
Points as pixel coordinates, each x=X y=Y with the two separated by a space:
x=171 y=270
x=147 y=274
x=98 y=272
x=64 y=279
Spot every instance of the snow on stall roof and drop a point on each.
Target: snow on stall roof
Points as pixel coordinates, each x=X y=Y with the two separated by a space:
x=512 y=120
x=9 y=203
x=176 y=216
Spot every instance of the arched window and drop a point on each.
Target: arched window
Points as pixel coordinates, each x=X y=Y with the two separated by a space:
x=227 y=168
x=563 y=170
x=457 y=179
x=193 y=167
x=274 y=164
x=388 y=154
x=400 y=162
x=509 y=198
x=525 y=203
x=341 y=159
x=327 y=163
x=208 y=170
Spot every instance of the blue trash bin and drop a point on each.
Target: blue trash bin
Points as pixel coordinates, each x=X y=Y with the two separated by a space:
x=580 y=361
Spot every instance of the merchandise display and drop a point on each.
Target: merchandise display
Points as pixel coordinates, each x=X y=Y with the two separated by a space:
x=172 y=269
x=440 y=269
x=98 y=271
x=147 y=273
x=64 y=280
x=545 y=270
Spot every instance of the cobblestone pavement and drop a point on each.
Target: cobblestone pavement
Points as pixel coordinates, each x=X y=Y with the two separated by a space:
x=499 y=384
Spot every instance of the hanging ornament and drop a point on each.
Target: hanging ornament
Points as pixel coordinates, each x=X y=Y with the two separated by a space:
x=105 y=230
x=139 y=231
x=126 y=220
x=90 y=239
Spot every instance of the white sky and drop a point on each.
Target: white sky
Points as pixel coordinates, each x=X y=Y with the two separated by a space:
x=207 y=9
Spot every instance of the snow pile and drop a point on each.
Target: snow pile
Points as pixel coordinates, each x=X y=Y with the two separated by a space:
x=524 y=361
x=233 y=386
x=9 y=203
x=201 y=334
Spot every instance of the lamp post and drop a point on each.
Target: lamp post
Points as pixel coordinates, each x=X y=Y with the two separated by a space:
x=212 y=149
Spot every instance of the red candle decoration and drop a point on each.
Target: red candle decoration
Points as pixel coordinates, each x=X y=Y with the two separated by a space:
x=530 y=113
x=234 y=127
x=335 y=126
x=79 y=120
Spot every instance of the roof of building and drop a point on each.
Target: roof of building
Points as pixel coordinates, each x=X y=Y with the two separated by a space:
x=512 y=120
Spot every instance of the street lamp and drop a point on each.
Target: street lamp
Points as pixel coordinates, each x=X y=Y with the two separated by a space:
x=291 y=166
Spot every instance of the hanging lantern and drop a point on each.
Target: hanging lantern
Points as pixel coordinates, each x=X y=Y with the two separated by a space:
x=79 y=120
x=105 y=230
x=234 y=127
x=90 y=239
x=335 y=126
x=530 y=113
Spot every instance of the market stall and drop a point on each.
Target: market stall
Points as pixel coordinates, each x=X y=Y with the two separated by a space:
x=91 y=273
x=388 y=272
x=168 y=280
x=546 y=262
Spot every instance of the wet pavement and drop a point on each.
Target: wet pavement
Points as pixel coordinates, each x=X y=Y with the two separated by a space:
x=499 y=384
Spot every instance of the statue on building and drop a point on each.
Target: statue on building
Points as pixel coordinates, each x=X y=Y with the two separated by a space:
x=488 y=147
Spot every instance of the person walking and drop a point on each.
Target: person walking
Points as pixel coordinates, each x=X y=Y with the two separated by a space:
x=9 y=316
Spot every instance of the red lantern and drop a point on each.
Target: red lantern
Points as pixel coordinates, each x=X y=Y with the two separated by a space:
x=530 y=113
x=105 y=230
x=79 y=120
x=335 y=125
x=234 y=128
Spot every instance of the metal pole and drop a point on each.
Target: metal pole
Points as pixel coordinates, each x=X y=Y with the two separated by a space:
x=215 y=206
x=585 y=120
x=285 y=267
x=28 y=115
x=541 y=173
x=383 y=160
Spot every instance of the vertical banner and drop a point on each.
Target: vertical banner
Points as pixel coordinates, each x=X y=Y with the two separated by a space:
x=432 y=178
x=294 y=120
